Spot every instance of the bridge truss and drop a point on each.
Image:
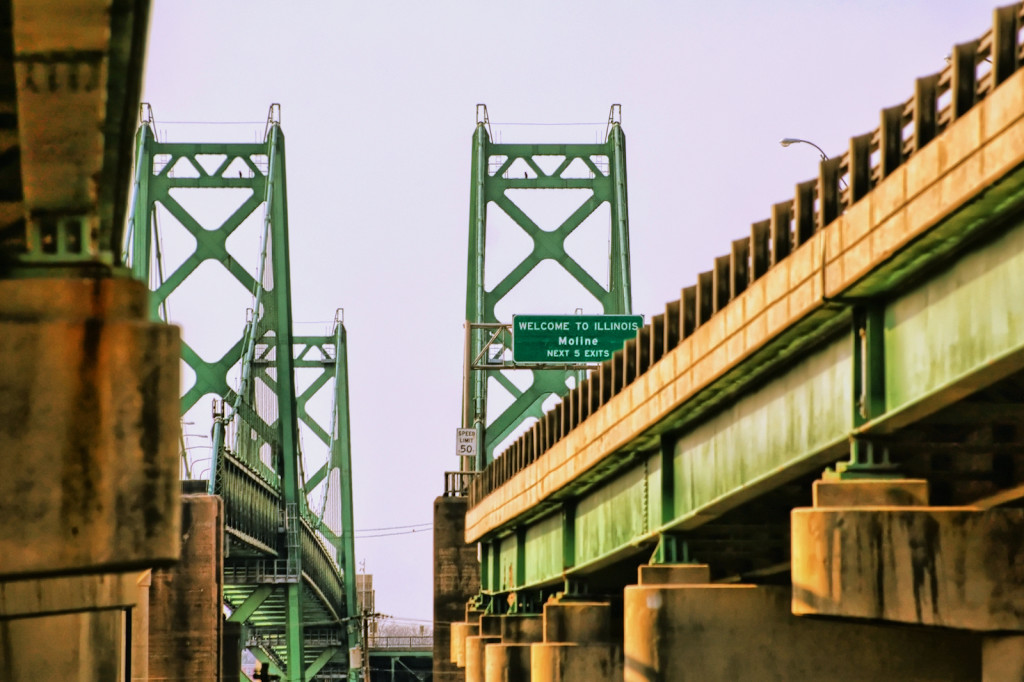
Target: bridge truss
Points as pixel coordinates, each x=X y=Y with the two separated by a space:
x=289 y=555
x=600 y=170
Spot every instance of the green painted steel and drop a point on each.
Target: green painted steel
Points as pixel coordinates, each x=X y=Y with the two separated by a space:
x=784 y=426
x=543 y=558
x=272 y=506
x=967 y=316
x=799 y=421
x=508 y=561
x=608 y=185
x=622 y=510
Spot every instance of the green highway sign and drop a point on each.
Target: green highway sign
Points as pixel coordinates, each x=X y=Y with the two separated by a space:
x=571 y=339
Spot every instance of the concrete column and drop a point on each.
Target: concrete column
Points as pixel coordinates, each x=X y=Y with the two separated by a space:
x=507 y=663
x=522 y=629
x=89 y=423
x=724 y=633
x=572 y=621
x=140 y=628
x=89 y=396
x=456 y=580
x=674 y=574
x=475 y=656
x=460 y=633
x=582 y=641
x=509 y=659
x=186 y=602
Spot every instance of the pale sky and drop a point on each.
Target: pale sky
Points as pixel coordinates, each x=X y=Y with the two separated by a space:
x=378 y=102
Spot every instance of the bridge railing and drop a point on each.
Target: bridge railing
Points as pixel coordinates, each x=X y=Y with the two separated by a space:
x=456 y=483
x=312 y=637
x=250 y=504
x=400 y=642
x=261 y=572
x=974 y=70
x=322 y=570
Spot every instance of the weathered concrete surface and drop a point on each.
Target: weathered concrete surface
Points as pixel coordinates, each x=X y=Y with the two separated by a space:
x=76 y=83
x=460 y=633
x=582 y=641
x=592 y=622
x=507 y=662
x=731 y=633
x=68 y=594
x=490 y=625
x=456 y=580
x=583 y=662
x=140 y=628
x=674 y=574
x=522 y=628
x=88 y=429
x=77 y=646
x=475 y=656
x=186 y=601
x=1002 y=658
x=949 y=566
x=900 y=492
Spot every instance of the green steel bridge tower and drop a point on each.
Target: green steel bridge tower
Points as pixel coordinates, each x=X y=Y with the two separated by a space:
x=600 y=169
x=289 y=568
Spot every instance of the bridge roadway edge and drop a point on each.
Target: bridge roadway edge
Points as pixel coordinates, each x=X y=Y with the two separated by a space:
x=882 y=241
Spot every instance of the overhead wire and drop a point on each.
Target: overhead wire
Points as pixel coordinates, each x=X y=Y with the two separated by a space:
x=411 y=525
x=591 y=123
x=387 y=535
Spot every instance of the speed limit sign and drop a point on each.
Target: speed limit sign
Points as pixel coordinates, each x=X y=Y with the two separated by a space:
x=465 y=442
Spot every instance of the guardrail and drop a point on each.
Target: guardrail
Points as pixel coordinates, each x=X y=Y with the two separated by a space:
x=456 y=483
x=401 y=642
x=311 y=637
x=974 y=69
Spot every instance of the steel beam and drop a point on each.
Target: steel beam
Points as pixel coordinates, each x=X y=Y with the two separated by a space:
x=608 y=185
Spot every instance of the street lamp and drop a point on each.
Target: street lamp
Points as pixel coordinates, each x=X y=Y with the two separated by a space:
x=786 y=141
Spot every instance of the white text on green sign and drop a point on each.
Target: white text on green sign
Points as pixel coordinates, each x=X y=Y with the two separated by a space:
x=571 y=338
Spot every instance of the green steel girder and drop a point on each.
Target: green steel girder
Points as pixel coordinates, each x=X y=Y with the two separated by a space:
x=320 y=661
x=607 y=186
x=258 y=462
x=249 y=606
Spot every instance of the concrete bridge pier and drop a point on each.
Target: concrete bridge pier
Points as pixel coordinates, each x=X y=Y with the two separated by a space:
x=490 y=633
x=460 y=633
x=186 y=629
x=582 y=643
x=509 y=659
x=456 y=580
x=89 y=494
x=931 y=567
x=724 y=633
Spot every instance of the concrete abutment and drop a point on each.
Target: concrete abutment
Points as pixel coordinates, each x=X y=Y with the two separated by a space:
x=456 y=581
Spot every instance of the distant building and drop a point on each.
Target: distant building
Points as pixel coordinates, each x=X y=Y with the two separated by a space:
x=366 y=599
